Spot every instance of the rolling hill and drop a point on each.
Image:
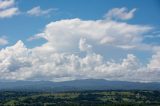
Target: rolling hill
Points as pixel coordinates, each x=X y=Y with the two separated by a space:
x=76 y=85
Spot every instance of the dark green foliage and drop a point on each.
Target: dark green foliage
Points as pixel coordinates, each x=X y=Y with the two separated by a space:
x=83 y=98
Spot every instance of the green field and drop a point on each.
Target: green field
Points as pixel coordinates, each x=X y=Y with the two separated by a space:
x=83 y=98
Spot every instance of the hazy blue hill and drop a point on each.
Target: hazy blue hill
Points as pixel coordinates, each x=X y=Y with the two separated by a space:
x=87 y=84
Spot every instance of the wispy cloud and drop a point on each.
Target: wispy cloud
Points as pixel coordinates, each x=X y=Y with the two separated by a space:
x=152 y=36
x=8 y=9
x=155 y=34
x=120 y=13
x=37 y=11
x=3 y=40
x=6 y=3
x=38 y=36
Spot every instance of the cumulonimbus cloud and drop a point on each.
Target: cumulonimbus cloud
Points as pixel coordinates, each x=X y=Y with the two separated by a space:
x=64 y=34
x=59 y=58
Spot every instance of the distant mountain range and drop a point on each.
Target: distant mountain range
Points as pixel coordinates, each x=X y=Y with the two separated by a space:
x=76 y=85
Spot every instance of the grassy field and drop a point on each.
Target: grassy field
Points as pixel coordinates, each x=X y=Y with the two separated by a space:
x=83 y=98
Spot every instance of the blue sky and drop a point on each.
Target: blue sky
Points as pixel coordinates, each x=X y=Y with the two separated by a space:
x=45 y=17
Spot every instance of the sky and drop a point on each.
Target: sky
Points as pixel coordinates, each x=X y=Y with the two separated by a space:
x=59 y=40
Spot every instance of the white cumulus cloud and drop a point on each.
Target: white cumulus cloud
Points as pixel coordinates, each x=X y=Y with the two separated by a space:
x=19 y=63
x=83 y=46
x=64 y=34
x=60 y=58
x=155 y=61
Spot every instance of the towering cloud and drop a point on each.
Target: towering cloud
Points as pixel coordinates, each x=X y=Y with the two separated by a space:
x=20 y=63
x=70 y=52
x=65 y=34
